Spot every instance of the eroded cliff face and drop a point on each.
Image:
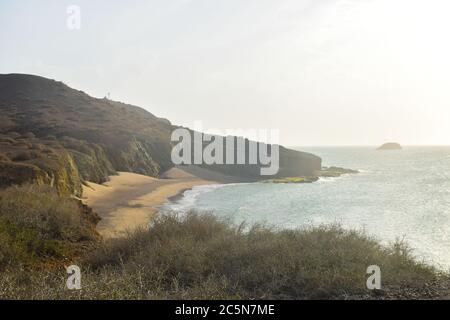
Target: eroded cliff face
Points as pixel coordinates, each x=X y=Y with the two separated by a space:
x=289 y=163
x=52 y=134
x=20 y=173
x=26 y=159
x=290 y=160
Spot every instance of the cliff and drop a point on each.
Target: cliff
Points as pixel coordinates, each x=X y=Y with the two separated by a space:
x=53 y=134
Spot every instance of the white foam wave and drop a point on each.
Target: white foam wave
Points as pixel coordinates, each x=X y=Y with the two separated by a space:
x=188 y=200
x=327 y=179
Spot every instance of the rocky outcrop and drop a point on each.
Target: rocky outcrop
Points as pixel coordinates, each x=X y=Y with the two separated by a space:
x=390 y=146
x=334 y=172
x=294 y=180
x=21 y=173
x=26 y=159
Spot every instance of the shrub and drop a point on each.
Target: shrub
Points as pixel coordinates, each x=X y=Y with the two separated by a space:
x=35 y=223
x=24 y=246
x=29 y=135
x=200 y=257
x=38 y=147
x=26 y=155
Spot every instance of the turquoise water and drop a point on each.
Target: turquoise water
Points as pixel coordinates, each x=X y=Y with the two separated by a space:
x=398 y=194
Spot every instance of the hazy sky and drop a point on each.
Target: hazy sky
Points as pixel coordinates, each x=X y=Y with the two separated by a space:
x=324 y=72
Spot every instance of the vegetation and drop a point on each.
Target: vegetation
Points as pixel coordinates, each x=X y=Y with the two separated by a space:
x=293 y=180
x=76 y=137
x=37 y=226
x=201 y=257
x=26 y=159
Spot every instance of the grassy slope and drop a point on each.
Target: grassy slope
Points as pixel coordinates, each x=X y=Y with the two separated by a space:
x=193 y=257
x=37 y=227
x=64 y=136
x=41 y=117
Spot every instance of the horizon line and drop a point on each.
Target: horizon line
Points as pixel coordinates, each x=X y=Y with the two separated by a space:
x=362 y=145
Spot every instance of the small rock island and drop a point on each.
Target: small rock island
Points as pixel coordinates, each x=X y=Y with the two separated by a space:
x=390 y=146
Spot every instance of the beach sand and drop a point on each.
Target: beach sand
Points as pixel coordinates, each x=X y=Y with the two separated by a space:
x=129 y=200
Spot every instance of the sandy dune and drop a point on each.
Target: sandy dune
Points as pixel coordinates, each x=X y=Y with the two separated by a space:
x=129 y=200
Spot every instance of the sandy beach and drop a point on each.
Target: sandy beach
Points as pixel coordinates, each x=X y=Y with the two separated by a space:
x=129 y=200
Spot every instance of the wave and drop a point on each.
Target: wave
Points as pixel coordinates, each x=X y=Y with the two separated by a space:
x=189 y=198
x=327 y=179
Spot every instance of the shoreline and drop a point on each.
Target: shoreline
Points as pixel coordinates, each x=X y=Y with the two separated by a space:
x=128 y=201
x=179 y=195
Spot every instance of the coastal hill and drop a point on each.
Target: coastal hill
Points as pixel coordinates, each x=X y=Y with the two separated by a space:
x=53 y=134
x=390 y=146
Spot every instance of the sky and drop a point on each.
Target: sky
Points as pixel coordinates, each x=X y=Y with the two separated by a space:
x=322 y=72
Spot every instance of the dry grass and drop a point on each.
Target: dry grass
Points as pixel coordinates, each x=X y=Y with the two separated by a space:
x=36 y=224
x=201 y=257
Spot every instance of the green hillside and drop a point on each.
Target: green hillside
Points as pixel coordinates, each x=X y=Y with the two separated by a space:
x=53 y=134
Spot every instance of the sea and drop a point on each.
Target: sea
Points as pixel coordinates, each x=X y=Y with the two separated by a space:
x=398 y=195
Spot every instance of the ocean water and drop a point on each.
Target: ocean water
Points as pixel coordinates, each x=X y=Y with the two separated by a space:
x=398 y=195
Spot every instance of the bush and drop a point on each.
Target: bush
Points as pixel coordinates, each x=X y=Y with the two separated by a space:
x=201 y=257
x=38 y=147
x=185 y=254
x=36 y=224
x=26 y=155
x=29 y=135
x=24 y=246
